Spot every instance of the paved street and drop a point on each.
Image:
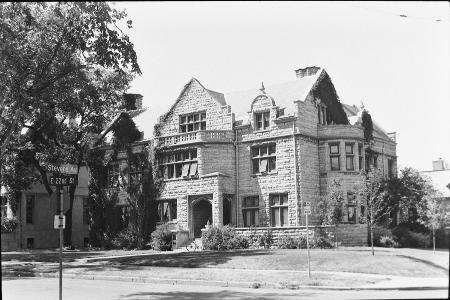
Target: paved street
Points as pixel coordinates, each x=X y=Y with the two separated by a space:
x=47 y=288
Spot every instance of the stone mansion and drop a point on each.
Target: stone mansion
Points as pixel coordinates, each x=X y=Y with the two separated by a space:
x=253 y=158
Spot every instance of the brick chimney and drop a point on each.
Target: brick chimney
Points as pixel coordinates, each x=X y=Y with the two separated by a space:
x=439 y=165
x=308 y=71
x=132 y=101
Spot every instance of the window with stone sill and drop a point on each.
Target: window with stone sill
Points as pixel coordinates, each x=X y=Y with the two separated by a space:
x=279 y=210
x=167 y=210
x=349 y=157
x=262 y=120
x=264 y=159
x=29 y=208
x=181 y=164
x=335 y=157
x=193 y=122
x=250 y=211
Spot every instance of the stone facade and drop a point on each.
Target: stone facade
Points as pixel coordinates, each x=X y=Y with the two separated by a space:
x=281 y=159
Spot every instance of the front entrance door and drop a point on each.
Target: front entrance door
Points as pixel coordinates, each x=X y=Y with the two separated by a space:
x=202 y=213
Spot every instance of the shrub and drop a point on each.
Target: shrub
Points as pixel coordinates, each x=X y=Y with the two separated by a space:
x=322 y=242
x=266 y=239
x=408 y=238
x=9 y=224
x=442 y=238
x=223 y=238
x=161 y=238
x=387 y=241
x=287 y=242
x=378 y=233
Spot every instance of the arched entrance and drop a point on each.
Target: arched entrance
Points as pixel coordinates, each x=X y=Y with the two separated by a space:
x=202 y=213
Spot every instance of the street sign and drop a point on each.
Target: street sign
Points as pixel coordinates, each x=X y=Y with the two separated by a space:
x=62 y=180
x=307 y=207
x=307 y=203
x=63 y=169
x=59 y=222
x=307 y=212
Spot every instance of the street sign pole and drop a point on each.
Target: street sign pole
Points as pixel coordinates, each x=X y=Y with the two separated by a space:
x=307 y=246
x=61 y=237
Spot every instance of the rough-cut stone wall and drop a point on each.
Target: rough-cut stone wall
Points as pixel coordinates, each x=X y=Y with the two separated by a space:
x=280 y=181
x=217 y=158
x=308 y=162
x=343 y=234
x=195 y=99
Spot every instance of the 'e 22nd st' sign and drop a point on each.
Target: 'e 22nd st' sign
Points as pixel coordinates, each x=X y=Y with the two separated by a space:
x=71 y=179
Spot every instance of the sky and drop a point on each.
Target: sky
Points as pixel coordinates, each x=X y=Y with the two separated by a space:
x=398 y=66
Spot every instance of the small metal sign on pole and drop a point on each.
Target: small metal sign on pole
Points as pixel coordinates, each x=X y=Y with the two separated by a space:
x=60 y=180
x=307 y=211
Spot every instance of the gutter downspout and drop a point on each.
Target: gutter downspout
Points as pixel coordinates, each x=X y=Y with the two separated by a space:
x=295 y=171
x=236 y=160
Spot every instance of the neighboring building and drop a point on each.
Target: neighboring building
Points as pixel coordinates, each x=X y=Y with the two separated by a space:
x=253 y=158
x=440 y=177
x=35 y=213
x=36 y=210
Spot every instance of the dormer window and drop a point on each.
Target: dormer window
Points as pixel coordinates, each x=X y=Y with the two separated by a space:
x=262 y=120
x=193 y=122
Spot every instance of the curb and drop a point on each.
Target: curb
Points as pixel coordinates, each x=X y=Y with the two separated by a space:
x=240 y=284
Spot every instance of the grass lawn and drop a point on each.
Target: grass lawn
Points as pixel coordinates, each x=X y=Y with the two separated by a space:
x=281 y=267
x=355 y=261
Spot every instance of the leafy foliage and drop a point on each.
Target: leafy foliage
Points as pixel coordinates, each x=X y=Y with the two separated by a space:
x=223 y=238
x=63 y=70
x=9 y=224
x=367 y=124
x=330 y=207
x=266 y=239
x=161 y=238
x=372 y=192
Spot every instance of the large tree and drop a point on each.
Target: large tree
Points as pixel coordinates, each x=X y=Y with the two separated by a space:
x=63 y=70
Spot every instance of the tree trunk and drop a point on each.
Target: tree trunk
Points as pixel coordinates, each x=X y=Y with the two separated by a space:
x=434 y=241
x=371 y=238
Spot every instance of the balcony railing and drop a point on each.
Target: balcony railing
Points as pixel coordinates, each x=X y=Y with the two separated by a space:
x=196 y=137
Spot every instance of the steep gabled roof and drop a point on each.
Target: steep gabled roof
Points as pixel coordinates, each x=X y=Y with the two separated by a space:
x=219 y=97
x=284 y=95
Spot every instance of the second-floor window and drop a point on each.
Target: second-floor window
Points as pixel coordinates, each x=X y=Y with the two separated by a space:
x=264 y=158
x=349 y=162
x=250 y=211
x=181 y=164
x=391 y=168
x=193 y=122
x=29 y=209
x=112 y=177
x=335 y=157
x=262 y=120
